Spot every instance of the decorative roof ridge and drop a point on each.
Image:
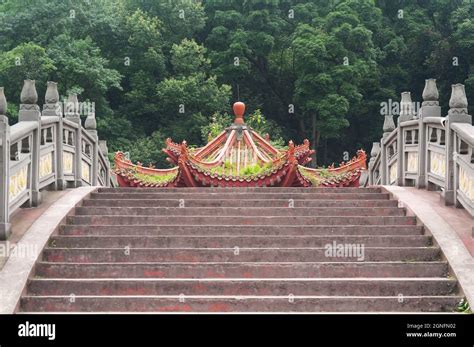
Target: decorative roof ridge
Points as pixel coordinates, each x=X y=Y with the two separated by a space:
x=130 y=175
x=263 y=176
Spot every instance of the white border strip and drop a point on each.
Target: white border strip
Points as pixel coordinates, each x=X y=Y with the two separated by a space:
x=15 y=273
x=459 y=258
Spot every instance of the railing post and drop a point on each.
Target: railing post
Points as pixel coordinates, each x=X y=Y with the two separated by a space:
x=91 y=126
x=388 y=127
x=373 y=154
x=406 y=113
x=429 y=108
x=5 y=226
x=457 y=114
x=72 y=114
x=53 y=108
x=30 y=112
x=105 y=152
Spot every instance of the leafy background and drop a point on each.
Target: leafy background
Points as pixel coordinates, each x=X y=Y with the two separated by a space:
x=139 y=60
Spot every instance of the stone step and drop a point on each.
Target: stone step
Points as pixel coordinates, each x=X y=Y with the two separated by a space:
x=240 y=250
x=277 y=286
x=242 y=230
x=241 y=220
x=227 y=241
x=236 y=203
x=242 y=196
x=243 y=190
x=239 y=211
x=239 y=303
x=196 y=255
x=243 y=270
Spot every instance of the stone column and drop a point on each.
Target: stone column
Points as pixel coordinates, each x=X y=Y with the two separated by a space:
x=388 y=127
x=52 y=107
x=30 y=112
x=457 y=114
x=72 y=114
x=5 y=227
x=91 y=126
x=429 y=108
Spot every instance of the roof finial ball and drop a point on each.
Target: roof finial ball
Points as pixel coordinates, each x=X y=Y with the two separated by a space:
x=239 y=110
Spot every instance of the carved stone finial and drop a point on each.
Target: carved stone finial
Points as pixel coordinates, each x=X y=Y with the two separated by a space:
x=430 y=106
x=52 y=106
x=52 y=94
x=3 y=102
x=375 y=149
x=388 y=124
x=430 y=93
x=458 y=96
x=72 y=106
x=90 y=123
x=458 y=105
x=28 y=93
x=29 y=110
x=407 y=111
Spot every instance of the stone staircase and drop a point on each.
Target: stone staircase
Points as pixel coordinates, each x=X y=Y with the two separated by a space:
x=240 y=250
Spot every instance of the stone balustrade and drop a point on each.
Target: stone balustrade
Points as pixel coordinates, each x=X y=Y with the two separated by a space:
x=46 y=149
x=427 y=150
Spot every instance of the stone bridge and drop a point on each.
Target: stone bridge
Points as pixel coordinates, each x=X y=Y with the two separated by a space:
x=46 y=150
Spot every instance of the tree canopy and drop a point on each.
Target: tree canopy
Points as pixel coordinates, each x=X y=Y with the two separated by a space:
x=306 y=69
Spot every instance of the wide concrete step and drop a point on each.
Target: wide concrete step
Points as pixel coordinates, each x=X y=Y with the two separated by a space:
x=235 y=203
x=281 y=286
x=244 y=196
x=242 y=190
x=349 y=253
x=240 y=250
x=240 y=211
x=243 y=270
x=241 y=220
x=227 y=241
x=286 y=303
x=242 y=230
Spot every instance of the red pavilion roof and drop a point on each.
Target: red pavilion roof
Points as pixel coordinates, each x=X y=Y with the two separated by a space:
x=238 y=156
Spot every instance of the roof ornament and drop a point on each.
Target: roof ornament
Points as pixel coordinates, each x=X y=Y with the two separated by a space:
x=239 y=110
x=240 y=157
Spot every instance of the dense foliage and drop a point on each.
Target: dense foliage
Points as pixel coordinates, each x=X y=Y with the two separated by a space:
x=306 y=69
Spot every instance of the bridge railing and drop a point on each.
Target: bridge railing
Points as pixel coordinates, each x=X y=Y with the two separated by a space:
x=427 y=150
x=48 y=149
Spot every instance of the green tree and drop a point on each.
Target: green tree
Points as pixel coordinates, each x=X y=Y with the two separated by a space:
x=26 y=61
x=140 y=60
x=187 y=100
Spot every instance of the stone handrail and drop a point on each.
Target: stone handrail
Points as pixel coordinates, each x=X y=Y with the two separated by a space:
x=47 y=149
x=432 y=152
